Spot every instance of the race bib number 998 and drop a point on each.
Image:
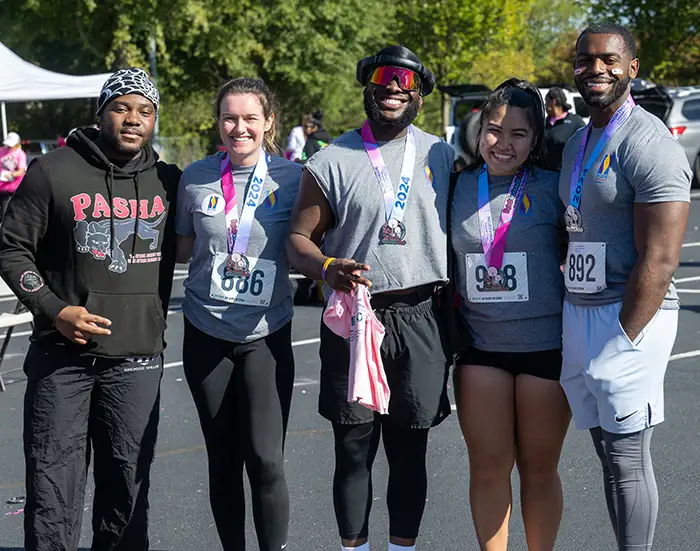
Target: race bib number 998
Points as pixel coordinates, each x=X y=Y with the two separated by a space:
x=254 y=290
x=584 y=271
x=507 y=284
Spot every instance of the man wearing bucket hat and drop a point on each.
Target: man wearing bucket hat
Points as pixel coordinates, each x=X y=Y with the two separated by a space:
x=13 y=165
x=88 y=246
x=371 y=211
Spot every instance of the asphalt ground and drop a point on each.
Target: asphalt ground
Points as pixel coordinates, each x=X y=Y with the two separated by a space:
x=181 y=519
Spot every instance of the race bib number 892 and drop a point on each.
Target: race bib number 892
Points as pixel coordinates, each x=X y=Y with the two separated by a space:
x=584 y=271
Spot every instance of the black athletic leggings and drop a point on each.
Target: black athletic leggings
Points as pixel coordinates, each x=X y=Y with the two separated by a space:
x=243 y=394
x=355 y=449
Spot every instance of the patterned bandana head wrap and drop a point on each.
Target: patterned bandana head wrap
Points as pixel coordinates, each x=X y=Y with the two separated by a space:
x=128 y=81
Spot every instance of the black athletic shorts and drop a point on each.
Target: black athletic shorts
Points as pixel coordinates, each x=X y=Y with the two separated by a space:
x=413 y=354
x=545 y=364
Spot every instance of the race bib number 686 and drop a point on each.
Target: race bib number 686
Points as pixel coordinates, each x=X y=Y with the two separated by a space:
x=254 y=290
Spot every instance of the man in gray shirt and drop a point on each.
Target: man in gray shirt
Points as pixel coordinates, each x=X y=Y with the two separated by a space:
x=378 y=197
x=626 y=183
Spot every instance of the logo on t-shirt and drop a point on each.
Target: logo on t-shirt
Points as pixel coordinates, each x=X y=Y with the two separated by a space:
x=526 y=204
x=429 y=175
x=271 y=199
x=212 y=204
x=604 y=168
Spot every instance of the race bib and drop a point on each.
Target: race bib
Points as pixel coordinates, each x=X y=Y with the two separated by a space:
x=487 y=284
x=584 y=271
x=254 y=290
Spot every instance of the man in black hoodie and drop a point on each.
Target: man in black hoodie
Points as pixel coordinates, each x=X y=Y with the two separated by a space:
x=316 y=136
x=88 y=247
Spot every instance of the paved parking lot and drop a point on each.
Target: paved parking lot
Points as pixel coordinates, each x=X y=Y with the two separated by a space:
x=181 y=519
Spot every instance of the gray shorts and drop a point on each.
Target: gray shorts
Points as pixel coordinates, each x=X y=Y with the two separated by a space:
x=610 y=381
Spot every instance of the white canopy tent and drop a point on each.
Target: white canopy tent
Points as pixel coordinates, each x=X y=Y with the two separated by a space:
x=22 y=81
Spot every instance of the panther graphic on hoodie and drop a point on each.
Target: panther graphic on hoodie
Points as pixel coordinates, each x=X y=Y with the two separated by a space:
x=94 y=238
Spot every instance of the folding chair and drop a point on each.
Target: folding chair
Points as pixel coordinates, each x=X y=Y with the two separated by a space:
x=9 y=322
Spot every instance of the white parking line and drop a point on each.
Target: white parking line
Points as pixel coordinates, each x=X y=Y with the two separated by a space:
x=690 y=291
x=687 y=279
x=305 y=342
x=693 y=244
x=684 y=355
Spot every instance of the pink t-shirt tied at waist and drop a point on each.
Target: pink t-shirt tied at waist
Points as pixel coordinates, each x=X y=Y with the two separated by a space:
x=350 y=316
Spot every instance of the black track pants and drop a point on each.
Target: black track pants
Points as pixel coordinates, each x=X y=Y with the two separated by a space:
x=73 y=403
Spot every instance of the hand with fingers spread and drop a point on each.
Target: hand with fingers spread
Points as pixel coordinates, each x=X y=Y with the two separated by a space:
x=344 y=274
x=79 y=325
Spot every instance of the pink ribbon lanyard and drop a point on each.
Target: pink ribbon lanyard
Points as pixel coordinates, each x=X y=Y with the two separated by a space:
x=394 y=203
x=238 y=231
x=494 y=244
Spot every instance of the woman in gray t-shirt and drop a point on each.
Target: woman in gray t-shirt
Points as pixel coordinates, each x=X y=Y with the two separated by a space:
x=507 y=231
x=233 y=215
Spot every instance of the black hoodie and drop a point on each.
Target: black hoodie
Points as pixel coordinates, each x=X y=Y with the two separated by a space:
x=315 y=142
x=56 y=251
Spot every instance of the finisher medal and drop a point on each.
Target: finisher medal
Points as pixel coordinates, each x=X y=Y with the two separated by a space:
x=572 y=219
x=494 y=280
x=392 y=233
x=237 y=265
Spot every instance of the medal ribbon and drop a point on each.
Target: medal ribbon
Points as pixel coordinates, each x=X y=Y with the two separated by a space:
x=238 y=242
x=394 y=203
x=578 y=177
x=494 y=244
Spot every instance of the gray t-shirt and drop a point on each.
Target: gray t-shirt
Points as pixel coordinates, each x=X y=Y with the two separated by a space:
x=344 y=173
x=641 y=163
x=201 y=182
x=537 y=230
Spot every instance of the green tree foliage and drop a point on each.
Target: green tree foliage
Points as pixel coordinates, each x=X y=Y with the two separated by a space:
x=483 y=41
x=667 y=32
x=306 y=50
x=553 y=26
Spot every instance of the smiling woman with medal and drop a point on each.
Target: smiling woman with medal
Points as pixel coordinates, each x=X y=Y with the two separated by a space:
x=507 y=233
x=232 y=221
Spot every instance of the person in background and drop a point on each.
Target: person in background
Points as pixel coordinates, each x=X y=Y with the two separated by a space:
x=316 y=136
x=233 y=218
x=13 y=165
x=561 y=125
x=295 y=143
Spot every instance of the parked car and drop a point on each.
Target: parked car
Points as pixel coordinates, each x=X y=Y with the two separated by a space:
x=465 y=101
x=462 y=125
x=37 y=148
x=679 y=109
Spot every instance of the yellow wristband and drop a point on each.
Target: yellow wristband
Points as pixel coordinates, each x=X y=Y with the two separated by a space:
x=325 y=267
